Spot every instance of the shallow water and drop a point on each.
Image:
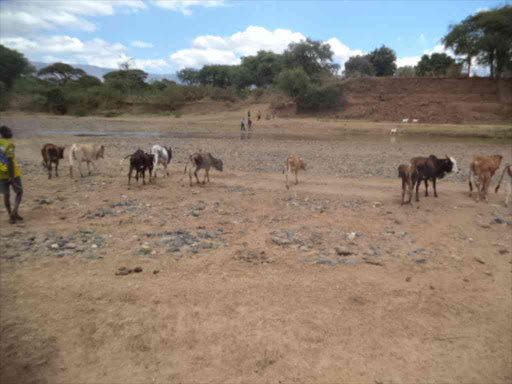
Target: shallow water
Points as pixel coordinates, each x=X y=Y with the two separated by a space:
x=367 y=138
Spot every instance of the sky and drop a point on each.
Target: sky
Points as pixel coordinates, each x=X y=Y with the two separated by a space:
x=163 y=36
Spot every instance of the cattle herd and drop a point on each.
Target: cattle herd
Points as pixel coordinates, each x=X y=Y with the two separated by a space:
x=419 y=169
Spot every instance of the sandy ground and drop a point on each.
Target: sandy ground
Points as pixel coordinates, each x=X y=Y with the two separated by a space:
x=244 y=281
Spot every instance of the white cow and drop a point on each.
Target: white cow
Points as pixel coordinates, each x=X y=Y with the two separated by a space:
x=393 y=131
x=88 y=153
x=163 y=155
x=405 y=120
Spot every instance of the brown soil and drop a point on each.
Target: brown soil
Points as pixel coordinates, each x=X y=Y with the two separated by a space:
x=262 y=292
x=430 y=100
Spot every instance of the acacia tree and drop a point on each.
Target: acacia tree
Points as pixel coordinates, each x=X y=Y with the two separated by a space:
x=12 y=65
x=61 y=73
x=263 y=68
x=189 y=76
x=405 y=71
x=126 y=80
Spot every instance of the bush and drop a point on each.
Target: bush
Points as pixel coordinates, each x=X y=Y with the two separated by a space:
x=225 y=94
x=317 y=99
x=293 y=81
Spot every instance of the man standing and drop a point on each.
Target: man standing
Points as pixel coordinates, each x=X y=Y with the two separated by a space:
x=242 y=125
x=9 y=174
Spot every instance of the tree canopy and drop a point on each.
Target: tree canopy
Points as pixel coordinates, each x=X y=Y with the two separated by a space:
x=12 y=65
x=359 y=66
x=435 y=65
x=126 y=79
x=379 y=62
x=486 y=35
x=61 y=72
x=314 y=57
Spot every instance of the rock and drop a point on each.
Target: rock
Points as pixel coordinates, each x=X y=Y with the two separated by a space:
x=94 y=246
x=420 y=261
x=343 y=251
x=156 y=271
x=408 y=278
x=143 y=251
x=70 y=246
x=326 y=262
x=195 y=213
x=137 y=269
x=498 y=220
x=166 y=240
x=479 y=260
x=279 y=241
x=172 y=249
x=503 y=251
x=54 y=246
x=403 y=234
x=86 y=231
x=351 y=236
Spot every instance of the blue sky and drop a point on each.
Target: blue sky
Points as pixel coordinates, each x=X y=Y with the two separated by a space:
x=161 y=36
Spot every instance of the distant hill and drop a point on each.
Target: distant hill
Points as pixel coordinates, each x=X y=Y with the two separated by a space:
x=99 y=72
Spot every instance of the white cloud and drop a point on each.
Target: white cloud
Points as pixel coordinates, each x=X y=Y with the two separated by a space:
x=24 y=16
x=209 y=49
x=141 y=44
x=184 y=6
x=408 y=61
x=341 y=52
x=196 y=58
x=75 y=51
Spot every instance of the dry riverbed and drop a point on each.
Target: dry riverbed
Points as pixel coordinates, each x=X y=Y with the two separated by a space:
x=244 y=281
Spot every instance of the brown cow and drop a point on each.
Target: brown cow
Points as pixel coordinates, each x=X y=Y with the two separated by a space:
x=484 y=168
x=408 y=181
x=52 y=154
x=293 y=164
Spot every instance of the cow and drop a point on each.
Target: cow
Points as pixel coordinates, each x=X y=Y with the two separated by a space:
x=429 y=168
x=393 y=131
x=87 y=153
x=293 y=164
x=507 y=173
x=163 y=155
x=405 y=120
x=204 y=161
x=140 y=161
x=404 y=173
x=484 y=168
x=52 y=154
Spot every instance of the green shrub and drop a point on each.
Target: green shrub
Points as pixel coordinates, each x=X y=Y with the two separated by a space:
x=293 y=81
x=178 y=114
x=317 y=99
x=80 y=113
x=112 y=114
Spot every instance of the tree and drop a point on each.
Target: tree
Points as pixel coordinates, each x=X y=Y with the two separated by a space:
x=406 y=71
x=293 y=81
x=423 y=68
x=88 y=81
x=263 y=68
x=126 y=80
x=189 y=76
x=314 y=57
x=358 y=66
x=486 y=35
x=220 y=76
x=61 y=73
x=383 y=60
x=12 y=65
x=440 y=62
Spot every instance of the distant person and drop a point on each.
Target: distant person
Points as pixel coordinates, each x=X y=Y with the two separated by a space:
x=248 y=114
x=259 y=115
x=9 y=174
x=242 y=125
x=249 y=124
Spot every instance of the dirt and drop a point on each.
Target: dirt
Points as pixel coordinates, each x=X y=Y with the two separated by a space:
x=243 y=281
x=428 y=100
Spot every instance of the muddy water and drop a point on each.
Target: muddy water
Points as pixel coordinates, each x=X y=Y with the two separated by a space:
x=364 y=138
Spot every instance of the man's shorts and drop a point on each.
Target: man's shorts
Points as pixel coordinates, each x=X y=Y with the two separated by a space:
x=16 y=186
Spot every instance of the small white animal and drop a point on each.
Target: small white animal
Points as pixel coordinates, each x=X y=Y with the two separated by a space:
x=415 y=120
x=393 y=131
x=405 y=120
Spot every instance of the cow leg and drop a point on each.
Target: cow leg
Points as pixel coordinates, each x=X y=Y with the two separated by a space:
x=195 y=174
x=435 y=190
x=89 y=168
x=208 y=175
x=403 y=191
x=57 y=169
x=287 y=186
x=130 y=175
x=190 y=175
x=80 y=168
x=144 y=176
x=205 y=176
x=166 y=171
x=471 y=181
x=417 y=189
x=296 y=178
x=486 y=189
x=71 y=171
x=478 y=188
x=509 y=191
x=426 y=187
x=49 y=170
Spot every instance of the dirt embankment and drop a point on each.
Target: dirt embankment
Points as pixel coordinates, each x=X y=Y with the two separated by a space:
x=430 y=100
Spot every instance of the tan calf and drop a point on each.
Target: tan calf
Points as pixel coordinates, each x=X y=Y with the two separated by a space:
x=293 y=164
x=484 y=168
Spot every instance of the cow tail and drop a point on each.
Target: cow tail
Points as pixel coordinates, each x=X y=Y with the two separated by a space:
x=470 y=177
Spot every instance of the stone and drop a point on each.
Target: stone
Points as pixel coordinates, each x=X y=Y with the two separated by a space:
x=195 y=214
x=325 y=262
x=420 y=261
x=351 y=236
x=94 y=246
x=498 y=220
x=54 y=246
x=172 y=249
x=343 y=251
x=71 y=246
x=143 y=251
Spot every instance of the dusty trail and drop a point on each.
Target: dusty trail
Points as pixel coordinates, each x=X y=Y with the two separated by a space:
x=331 y=281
